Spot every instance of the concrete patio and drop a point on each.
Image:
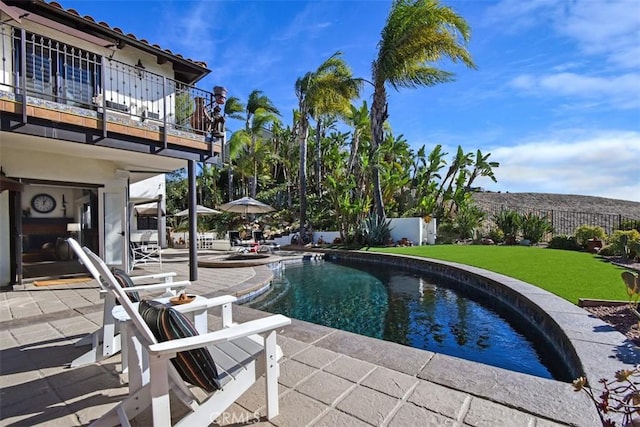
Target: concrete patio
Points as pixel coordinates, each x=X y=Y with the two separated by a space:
x=328 y=377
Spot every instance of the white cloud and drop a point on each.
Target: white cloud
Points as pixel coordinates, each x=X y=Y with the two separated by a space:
x=605 y=163
x=608 y=28
x=605 y=27
x=618 y=92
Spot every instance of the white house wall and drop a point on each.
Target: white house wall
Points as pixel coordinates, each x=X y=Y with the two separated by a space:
x=414 y=229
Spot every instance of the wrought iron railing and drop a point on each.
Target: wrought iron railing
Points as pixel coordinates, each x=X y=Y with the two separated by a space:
x=49 y=69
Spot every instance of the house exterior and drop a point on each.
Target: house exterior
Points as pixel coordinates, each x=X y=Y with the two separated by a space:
x=87 y=111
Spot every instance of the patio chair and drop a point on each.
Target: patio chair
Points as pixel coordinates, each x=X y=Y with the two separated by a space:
x=106 y=341
x=145 y=248
x=224 y=363
x=234 y=238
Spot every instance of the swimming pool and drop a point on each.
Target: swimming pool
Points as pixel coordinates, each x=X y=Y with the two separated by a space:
x=413 y=309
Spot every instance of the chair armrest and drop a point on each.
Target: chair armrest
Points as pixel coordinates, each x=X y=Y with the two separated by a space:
x=136 y=279
x=207 y=303
x=158 y=286
x=228 y=334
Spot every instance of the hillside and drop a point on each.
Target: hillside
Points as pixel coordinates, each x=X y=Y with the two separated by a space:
x=559 y=202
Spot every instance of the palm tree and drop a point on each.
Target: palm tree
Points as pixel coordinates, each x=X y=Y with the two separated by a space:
x=251 y=144
x=259 y=114
x=417 y=34
x=329 y=89
x=358 y=118
x=233 y=109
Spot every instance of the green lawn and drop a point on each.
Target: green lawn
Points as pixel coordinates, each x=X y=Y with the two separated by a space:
x=568 y=274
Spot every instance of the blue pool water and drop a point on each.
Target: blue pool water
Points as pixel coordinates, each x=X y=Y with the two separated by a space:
x=411 y=309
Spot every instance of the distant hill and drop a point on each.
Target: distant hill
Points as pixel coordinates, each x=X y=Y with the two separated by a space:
x=559 y=202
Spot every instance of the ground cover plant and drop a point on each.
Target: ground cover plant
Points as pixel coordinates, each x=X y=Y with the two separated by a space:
x=568 y=274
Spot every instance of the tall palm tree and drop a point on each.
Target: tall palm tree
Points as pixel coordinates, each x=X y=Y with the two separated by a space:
x=251 y=144
x=233 y=109
x=328 y=89
x=259 y=113
x=417 y=34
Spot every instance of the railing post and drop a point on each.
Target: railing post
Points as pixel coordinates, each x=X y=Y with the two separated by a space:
x=23 y=72
x=103 y=77
x=165 y=140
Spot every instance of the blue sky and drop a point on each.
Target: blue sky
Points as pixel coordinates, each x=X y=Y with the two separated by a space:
x=555 y=99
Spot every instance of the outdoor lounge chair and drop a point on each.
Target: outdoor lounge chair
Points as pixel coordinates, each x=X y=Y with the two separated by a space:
x=224 y=363
x=145 y=248
x=106 y=341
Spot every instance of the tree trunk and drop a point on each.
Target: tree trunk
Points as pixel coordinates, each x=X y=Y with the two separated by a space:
x=304 y=135
x=378 y=117
x=355 y=142
x=318 y=154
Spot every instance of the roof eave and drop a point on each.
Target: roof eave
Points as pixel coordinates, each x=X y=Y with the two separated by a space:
x=191 y=71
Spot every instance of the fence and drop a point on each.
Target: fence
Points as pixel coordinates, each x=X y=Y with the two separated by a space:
x=565 y=222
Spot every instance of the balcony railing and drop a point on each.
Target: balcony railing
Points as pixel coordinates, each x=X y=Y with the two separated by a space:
x=58 y=73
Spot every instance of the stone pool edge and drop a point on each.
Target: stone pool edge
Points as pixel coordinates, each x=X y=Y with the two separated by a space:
x=589 y=345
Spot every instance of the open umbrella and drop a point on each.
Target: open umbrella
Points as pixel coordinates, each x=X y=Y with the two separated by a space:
x=246 y=205
x=200 y=210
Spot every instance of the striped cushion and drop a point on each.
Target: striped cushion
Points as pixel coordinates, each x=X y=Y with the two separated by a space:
x=125 y=282
x=195 y=366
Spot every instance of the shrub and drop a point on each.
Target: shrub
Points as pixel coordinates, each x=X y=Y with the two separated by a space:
x=626 y=243
x=630 y=224
x=607 y=250
x=446 y=232
x=496 y=235
x=534 y=227
x=467 y=220
x=509 y=222
x=586 y=232
x=563 y=241
x=375 y=231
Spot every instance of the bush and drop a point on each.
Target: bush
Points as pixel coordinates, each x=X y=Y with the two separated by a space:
x=534 y=227
x=626 y=243
x=496 y=235
x=630 y=224
x=509 y=223
x=375 y=231
x=607 y=250
x=586 y=232
x=467 y=220
x=565 y=242
x=446 y=232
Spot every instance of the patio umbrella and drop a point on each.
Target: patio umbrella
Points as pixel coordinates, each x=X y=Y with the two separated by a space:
x=200 y=210
x=246 y=205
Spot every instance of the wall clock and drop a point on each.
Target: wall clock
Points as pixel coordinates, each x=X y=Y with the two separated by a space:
x=43 y=203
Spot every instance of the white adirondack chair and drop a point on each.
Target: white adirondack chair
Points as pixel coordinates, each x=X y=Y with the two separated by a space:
x=106 y=341
x=240 y=354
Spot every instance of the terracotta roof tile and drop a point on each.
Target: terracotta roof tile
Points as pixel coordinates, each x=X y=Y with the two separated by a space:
x=119 y=31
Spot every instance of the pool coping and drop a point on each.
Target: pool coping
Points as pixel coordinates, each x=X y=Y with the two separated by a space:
x=598 y=349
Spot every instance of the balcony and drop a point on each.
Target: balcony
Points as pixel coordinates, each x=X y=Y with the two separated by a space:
x=91 y=98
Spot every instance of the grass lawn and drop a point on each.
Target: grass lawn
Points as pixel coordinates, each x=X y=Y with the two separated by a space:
x=568 y=274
